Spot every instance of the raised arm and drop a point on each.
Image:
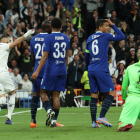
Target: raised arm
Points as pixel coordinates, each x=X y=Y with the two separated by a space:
x=20 y=39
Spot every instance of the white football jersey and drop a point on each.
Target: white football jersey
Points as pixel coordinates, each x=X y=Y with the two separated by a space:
x=4 y=54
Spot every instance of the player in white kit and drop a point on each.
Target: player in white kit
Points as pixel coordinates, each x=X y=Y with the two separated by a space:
x=6 y=82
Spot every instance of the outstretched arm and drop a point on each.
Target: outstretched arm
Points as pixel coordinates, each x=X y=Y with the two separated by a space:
x=20 y=39
x=41 y=64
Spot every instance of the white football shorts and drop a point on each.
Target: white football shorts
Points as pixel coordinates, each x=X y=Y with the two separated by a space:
x=7 y=82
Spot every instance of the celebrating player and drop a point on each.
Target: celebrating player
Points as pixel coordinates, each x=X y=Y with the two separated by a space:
x=5 y=78
x=131 y=107
x=54 y=78
x=96 y=60
x=36 y=48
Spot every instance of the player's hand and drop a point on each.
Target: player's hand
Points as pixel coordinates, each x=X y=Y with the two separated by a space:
x=34 y=76
x=109 y=22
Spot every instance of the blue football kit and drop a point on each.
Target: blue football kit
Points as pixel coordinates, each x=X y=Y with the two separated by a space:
x=36 y=46
x=97 y=61
x=54 y=77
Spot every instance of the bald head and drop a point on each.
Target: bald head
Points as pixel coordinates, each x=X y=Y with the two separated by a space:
x=45 y=26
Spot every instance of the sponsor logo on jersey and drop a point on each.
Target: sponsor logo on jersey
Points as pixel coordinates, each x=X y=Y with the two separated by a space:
x=93 y=59
x=59 y=38
x=58 y=62
x=95 y=36
x=39 y=39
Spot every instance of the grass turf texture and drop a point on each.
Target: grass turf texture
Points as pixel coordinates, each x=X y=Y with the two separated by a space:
x=77 y=123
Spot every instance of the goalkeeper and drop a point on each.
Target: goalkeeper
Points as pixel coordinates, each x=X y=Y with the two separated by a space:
x=131 y=107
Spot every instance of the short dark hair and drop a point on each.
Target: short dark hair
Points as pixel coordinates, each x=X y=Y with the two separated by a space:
x=113 y=11
x=45 y=26
x=100 y=22
x=25 y=74
x=56 y=23
x=2 y=37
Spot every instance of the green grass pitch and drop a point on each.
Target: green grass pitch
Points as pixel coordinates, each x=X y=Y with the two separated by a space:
x=77 y=123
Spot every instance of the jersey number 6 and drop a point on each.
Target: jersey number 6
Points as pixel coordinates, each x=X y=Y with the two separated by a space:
x=95 y=48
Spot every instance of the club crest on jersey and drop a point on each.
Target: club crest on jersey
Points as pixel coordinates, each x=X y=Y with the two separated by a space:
x=95 y=36
x=59 y=38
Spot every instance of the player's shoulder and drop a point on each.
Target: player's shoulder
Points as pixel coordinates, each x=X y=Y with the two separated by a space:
x=132 y=66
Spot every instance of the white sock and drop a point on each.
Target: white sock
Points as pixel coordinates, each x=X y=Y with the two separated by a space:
x=48 y=111
x=11 y=105
x=2 y=100
x=53 y=121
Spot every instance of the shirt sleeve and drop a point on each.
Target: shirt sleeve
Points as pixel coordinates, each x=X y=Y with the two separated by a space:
x=47 y=46
x=5 y=46
x=125 y=85
x=118 y=37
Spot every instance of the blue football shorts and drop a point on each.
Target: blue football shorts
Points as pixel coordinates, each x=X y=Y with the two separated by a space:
x=53 y=83
x=36 y=84
x=100 y=81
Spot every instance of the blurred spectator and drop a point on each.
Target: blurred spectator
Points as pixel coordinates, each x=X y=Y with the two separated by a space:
x=48 y=12
x=10 y=4
x=74 y=49
x=75 y=71
x=70 y=56
x=80 y=53
x=76 y=40
x=13 y=64
x=120 y=51
x=112 y=65
x=14 y=16
x=66 y=16
x=130 y=44
x=119 y=73
x=2 y=7
x=26 y=62
x=17 y=78
x=26 y=83
x=68 y=4
x=114 y=19
x=138 y=42
x=85 y=81
x=125 y=8
x=132 y=58
x=136 y=23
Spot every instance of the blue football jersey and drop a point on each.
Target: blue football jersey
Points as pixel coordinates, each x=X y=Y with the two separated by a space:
x=56 y=44
x=36 y=46
x=97 y=46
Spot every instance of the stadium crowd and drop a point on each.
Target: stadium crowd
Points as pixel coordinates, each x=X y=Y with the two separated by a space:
x=78 y=23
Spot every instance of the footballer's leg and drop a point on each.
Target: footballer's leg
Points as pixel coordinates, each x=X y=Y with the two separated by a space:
x=94 y=98
x=2 y=96
x=47 y=106
x=105 y=107
x=129 y=114
x=34 y=105
x=11 y=105
x=56 y=107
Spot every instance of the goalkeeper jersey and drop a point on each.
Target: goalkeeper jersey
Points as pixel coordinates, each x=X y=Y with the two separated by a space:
x=132 y=81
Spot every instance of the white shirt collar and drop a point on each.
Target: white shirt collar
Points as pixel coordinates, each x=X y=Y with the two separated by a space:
x=43 y=33
x=98 y=32
x=56 y=32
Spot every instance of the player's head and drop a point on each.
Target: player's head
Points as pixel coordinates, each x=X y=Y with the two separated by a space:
x=45 y=26
x=5 y=39
x=102 y=25
x=56 y=24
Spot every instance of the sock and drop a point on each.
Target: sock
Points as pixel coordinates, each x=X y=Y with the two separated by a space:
x=106 y=105
x=47 y=106
x=2 y=100
x=93 y=108
x=34 y=105
x=11 y=105
x=56 y=114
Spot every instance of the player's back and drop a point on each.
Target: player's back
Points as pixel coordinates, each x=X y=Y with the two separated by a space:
x=37 y=45
x=98 y=45
x=56 y=44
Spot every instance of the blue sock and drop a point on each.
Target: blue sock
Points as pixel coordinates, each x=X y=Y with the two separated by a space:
x=47 y=105
x=106 y=105
x=93 y=108
x=56 y=114
x=34 y=105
